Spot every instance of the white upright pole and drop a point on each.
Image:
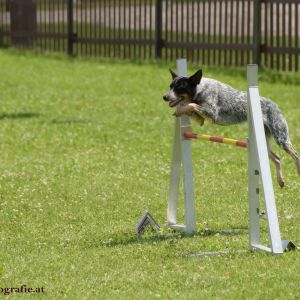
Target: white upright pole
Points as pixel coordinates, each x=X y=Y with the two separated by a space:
x=182 y=155
x=175 y=176
x=189 y=201
x=259 y=167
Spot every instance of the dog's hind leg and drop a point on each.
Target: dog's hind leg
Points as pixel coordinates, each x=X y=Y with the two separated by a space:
x=288 y=148
x=277 y=161
x=274 y=158
x=276 y=125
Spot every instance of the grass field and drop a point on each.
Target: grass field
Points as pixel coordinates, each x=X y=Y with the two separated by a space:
x=86 y=148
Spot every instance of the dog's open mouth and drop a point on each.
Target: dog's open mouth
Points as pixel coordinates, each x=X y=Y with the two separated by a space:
x=173 y=103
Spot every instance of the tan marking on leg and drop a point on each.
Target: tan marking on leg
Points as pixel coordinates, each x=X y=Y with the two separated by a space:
x=186 y=109
x=192 y=110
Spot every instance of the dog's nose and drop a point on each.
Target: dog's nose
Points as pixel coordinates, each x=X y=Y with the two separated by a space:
x=165 y=97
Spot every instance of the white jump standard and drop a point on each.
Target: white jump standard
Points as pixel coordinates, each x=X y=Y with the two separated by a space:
x=258 y=168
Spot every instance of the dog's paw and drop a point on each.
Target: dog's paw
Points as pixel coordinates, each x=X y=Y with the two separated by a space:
x=197 y=118
x=280 y=181
x=194 y=108
x=200 y=121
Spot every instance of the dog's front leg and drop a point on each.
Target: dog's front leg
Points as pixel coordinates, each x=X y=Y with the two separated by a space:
x=197 y=118
x=192 y=110
x=187 y=109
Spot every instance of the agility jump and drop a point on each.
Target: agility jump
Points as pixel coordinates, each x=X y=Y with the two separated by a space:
x=258 y=169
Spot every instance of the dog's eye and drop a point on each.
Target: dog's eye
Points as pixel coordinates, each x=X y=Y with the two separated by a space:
x=181 y=84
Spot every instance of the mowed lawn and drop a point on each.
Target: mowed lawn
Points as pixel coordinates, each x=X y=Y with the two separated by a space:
x=86 y=148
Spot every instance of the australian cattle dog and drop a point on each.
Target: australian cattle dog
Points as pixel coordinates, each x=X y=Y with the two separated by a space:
x=208 y=99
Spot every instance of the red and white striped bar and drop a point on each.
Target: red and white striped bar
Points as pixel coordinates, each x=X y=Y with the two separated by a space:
x=216 y=139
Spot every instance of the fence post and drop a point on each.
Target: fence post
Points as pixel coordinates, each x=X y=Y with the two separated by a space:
x=257 y=31
x=158 y=28
x=70 y=27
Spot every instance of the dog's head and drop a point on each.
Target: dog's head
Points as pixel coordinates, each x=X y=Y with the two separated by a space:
x=182 y=89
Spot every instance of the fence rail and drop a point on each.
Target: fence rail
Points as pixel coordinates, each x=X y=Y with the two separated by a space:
x=219 y=32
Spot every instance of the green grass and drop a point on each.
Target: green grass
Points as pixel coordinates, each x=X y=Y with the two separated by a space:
x=86 y=148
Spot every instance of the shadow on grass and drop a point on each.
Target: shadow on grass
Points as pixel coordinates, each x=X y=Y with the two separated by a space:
x=129 y=239
x=69 y=121
x=18 y=115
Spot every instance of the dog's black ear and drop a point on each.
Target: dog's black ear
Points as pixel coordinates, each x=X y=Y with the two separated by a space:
x=196 y=78
x=174 y=75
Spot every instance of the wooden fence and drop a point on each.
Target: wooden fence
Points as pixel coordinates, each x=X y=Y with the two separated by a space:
x=218 y=32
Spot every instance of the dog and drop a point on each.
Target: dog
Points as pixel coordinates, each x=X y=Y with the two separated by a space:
x=208 y=99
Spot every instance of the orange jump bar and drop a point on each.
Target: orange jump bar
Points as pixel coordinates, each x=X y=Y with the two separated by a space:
x=216 y=139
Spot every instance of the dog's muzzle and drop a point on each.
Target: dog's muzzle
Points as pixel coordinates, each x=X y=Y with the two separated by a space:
x=172 y=102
